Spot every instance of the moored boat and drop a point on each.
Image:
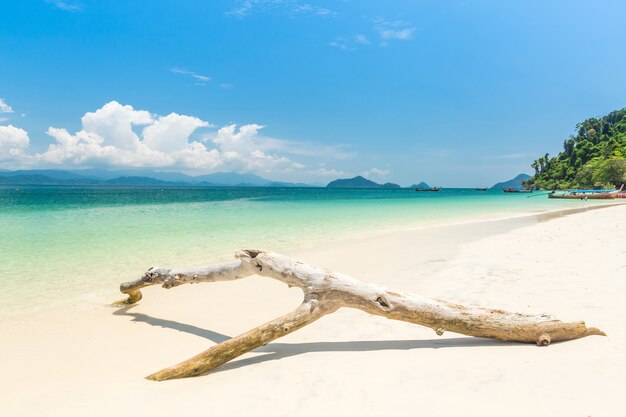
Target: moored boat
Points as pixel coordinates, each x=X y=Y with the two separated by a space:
x=429 y=189
x=481 y=189
x=588 y=194
x=517 y=190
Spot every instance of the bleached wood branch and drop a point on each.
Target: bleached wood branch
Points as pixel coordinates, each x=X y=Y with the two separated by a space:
x=326 y=291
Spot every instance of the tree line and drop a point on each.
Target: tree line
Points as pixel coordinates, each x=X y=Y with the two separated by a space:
x=593 y=158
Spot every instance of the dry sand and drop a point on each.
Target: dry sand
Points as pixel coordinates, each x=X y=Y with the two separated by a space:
x=89 y=360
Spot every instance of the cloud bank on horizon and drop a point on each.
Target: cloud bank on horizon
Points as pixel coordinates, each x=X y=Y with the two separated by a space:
x=120 y=136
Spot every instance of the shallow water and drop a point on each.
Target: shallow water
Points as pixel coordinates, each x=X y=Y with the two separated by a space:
x=59 y=244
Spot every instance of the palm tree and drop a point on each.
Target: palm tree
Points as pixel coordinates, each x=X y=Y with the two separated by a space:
x=535 y=166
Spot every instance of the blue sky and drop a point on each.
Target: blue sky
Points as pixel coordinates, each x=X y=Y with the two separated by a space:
x=455 y=93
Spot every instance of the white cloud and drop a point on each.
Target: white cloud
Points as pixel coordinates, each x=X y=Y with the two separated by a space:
x=114 y=124
x=201 y=79
x=245 y=150
x=403 y=34
x=170 y=133
x=108 y=138
x=67 y=6
x=88 y=149
x=389 y=30
x=297 y=148
x=350 y=43
x=306 y=8
x=241 y=11
x=290 y=8
x=386 y=30
x=361 y=39
x=13 y=142
x=229 y=139
x=117 y=136
x=4 y=107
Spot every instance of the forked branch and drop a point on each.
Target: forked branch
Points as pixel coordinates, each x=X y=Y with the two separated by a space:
x=326 y=291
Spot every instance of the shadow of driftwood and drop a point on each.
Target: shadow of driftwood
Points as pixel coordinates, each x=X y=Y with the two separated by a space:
x=171 y=324
x=276 y=351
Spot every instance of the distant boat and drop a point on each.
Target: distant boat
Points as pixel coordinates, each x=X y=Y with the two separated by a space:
x=429 y=189
x=588 y=194
x=481 y=189
x=517 y=190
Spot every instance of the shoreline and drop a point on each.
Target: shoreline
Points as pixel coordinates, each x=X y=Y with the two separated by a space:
x=559 y=212
x=499 y=224
x=525 y=218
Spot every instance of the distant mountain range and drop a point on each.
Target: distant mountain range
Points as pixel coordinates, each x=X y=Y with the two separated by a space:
x=516 y=182
x=359 y=182
x=146 y=178
x=136 y=177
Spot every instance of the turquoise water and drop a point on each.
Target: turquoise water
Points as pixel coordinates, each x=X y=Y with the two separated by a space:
x=59 y=244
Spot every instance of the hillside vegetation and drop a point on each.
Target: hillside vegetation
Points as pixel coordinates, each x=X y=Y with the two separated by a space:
x=594 y=157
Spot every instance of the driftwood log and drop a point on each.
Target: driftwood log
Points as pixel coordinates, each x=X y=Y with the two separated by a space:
x=326 y=291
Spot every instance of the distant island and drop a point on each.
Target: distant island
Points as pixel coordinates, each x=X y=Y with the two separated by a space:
x=421 y=186
x=594 y=158
x=517 y=182
x=359 y=182
x=143 y=178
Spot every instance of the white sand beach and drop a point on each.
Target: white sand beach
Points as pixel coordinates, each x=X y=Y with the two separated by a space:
x=89 y=359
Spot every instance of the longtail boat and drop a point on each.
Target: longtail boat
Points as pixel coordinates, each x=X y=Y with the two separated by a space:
x=588 y=194
x=429 y=189
x=481 y=189
x=517 y=190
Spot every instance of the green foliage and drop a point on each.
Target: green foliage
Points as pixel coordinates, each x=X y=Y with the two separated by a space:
x=594 y=157
x=611 y=171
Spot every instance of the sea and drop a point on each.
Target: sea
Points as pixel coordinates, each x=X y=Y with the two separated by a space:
x=61 y=244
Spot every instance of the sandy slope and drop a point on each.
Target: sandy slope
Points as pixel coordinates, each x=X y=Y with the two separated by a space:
x=89 y=360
